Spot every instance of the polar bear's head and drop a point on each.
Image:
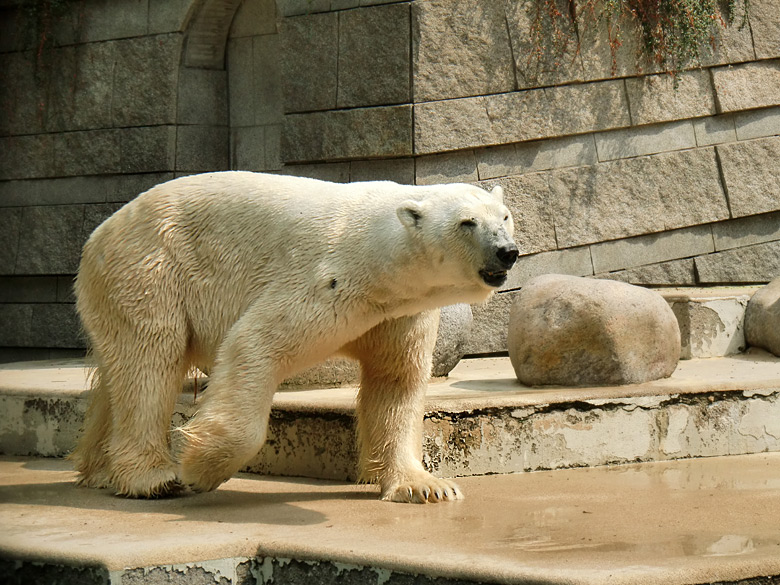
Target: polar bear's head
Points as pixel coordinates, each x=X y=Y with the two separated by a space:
x=465 y=231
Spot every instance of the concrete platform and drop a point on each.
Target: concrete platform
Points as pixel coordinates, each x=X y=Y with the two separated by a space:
x=682 y=522
x=479 y=420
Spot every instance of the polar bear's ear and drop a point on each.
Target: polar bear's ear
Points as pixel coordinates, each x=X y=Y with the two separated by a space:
x=498 y=193
x=410 y=213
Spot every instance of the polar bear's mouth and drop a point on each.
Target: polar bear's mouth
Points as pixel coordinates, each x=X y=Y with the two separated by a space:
x=496 y=278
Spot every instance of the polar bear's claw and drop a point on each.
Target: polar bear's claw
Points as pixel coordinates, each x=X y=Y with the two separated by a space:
x=436 y=490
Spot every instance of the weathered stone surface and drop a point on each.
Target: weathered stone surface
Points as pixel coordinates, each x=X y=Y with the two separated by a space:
x=519 y=116
x=253 y=18
x=51 y=239
x=28 y=289
x=344 y=134
x=461 y=48
x=10 y=228
x=202 y=148
x=454 y=327
x=451 y=167
x=27 y=157
x=526 y=197
x=572 y=261
x=202 y=97
x=332 y=372
x=601 y=58
x=757 y=123
x=539 y=155
x=714 y=130
x=89 y=152
x=400 y=170
x=577 y=331
x=559 y=63
x=144 y=94
x=151 y=148
x=653 y=139
x=247 y=148
x=672 y=273
x=636 y=196
x=651 y=248
x=746 y=231
x=368 y=76
x=711 y=323
x=751 y=85
x=762 y=318
x=267 y=95
x=654 y=98
x=21 y=94
x=751 y=175
x=733 y=43
x=310 y=62
x=750 y=264
x=765 y=27
x=55 y=325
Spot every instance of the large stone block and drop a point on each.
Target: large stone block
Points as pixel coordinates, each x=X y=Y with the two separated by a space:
x=651 y=248
x=240 y=69
x=202 y=97
x=653 y=139
x=751 y=175
x=10 y=229
x=50 y=239
x=450 y=167
x=28 y=289
x=762 y=318
x=400 y=170
x=750 y=264
x=81 y=87
x=310 y=62
x=765 y=26
x=27 y=157
x=146 y=80
x=23 y=89
x=757 y=123
x=202 y=148
x=714 y=130
x=55 y=325
x=489 y=328
x=254 y=17
x=374 y=56
x=526 y=197
x=113 y=19
x=602 y=58
x=577 y=331
x=87 y=189
x=561 y=60
x=746 y=86
x=636 y=196
x=746 y=231
x=16 y=319
x=519 y=116
x=572 y=261
x=88 y=152
x=148 y=149
x=461 y=48
x=672 y=273
x=733 y=43
x=538 y=155
x=656 y=98
x=344 y=134
x=267 y=94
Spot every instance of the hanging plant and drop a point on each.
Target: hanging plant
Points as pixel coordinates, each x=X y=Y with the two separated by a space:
x=672 y=34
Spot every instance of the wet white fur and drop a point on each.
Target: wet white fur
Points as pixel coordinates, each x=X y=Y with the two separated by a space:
x=253 y=278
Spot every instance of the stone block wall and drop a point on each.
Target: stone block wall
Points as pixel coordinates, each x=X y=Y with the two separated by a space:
x=610 y=170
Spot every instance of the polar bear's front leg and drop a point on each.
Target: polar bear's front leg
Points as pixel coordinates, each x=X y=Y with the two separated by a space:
x=230 y=427
x=395 y=361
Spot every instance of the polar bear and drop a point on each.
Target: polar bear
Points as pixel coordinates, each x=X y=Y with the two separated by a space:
x=255 y=277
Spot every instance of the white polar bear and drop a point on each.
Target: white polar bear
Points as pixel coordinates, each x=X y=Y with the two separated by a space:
x=255 y=277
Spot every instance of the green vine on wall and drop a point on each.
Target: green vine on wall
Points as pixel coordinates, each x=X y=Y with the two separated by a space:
x=672 y=35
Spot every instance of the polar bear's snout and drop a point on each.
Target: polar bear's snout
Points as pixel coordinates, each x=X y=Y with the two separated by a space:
x=507 y=254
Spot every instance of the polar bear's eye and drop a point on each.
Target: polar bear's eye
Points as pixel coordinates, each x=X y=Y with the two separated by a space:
x=506 y=218
x=468 y=223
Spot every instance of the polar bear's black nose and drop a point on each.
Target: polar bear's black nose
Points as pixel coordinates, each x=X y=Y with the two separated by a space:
x=507 y=254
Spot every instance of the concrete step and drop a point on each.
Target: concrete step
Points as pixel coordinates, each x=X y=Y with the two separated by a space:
x=480 y=420
x=696 y=521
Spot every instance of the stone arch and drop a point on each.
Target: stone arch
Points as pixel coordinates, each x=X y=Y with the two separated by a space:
x=207 y=33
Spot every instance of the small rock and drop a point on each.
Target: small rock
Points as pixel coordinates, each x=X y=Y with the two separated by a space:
x=762 y=318
x=568 y=330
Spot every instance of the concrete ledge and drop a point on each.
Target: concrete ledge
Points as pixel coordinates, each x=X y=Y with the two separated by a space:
x=702 y=521
x=479 y=420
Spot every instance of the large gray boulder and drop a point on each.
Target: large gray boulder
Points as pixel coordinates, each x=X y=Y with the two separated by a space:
x=762 y=318
x=568 y=330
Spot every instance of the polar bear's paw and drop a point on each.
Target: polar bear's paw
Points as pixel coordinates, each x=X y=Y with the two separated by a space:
x=156 y=482
x=423 y=489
